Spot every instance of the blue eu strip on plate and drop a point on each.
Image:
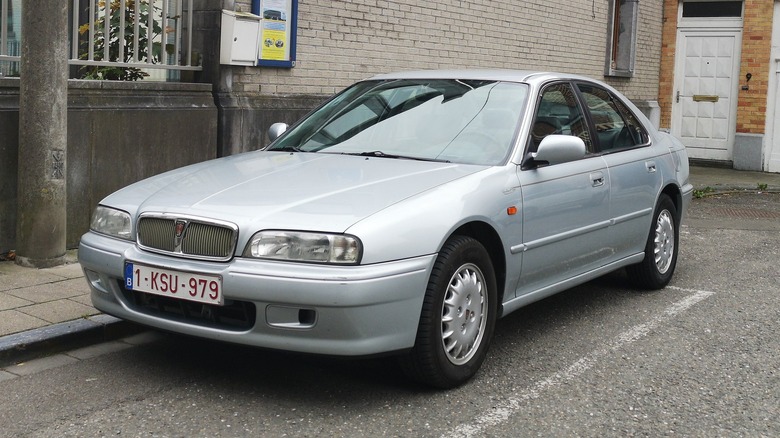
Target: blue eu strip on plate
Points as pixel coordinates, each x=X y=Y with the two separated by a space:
x=129 y=276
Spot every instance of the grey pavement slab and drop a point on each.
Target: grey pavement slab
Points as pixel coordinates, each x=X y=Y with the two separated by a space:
x=14 y=321
x=44 y=292
x=83 y=299
x=59 y=311
x=72 y=270
x=8 y=301
x=31 y=277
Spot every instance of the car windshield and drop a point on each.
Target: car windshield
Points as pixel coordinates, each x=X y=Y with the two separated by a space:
x=459 y=121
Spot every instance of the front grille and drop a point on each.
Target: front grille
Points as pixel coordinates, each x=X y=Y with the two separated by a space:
x=233 y=316
x=157 y=233
x=197 y=239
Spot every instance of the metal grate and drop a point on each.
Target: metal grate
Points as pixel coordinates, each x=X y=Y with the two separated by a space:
x=745 y=213
x=233 y=316
x=196 y=238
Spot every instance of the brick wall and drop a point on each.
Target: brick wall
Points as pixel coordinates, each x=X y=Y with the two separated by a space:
x=756 y=47
x=341 y=41
x=668 y=48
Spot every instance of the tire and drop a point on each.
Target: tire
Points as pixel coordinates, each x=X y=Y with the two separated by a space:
x=457 y=318
x=657 y=268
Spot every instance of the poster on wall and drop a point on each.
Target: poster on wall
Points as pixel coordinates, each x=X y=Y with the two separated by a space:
x=277 y=32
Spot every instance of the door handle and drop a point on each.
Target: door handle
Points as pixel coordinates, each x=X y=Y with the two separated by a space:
x=650 y=165
x=597 y=179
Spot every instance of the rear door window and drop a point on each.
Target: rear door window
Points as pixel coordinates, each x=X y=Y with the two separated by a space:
x=615 y=125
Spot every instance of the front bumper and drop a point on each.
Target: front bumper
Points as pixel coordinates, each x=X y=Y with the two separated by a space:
x=348 y=310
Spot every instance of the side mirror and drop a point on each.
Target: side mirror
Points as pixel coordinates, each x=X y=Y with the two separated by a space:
x=276 y=130
x=555 y=149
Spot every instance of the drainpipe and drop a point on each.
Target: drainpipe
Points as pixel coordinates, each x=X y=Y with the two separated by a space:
x=43 y=110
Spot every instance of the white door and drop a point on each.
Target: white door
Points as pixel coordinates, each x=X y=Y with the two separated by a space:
x=704 y=105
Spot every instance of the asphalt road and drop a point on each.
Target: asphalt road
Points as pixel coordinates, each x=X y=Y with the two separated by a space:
x=699 y=358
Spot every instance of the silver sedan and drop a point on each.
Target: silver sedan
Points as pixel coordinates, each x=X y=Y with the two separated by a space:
x=402 y=217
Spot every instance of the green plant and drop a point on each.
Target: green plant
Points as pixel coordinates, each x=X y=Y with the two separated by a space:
x=763 y=187
x=700 y=193
x=110 y=52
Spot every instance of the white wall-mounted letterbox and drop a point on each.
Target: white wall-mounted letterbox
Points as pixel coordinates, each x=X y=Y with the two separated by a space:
x=239 y=38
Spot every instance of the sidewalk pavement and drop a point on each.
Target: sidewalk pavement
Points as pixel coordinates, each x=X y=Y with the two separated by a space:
x=45 y=311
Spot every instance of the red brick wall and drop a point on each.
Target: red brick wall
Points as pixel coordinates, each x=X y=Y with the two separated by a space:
x=668 y=47
x=756 y=46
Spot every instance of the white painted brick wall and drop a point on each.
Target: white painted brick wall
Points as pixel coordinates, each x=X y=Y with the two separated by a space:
x=341 y=41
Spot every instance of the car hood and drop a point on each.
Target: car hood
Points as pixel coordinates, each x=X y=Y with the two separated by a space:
x=267 y=190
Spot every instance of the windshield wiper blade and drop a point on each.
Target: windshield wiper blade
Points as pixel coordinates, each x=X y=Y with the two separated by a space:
x=287 y=149
x=380 y=154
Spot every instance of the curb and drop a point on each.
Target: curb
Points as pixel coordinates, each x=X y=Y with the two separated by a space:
x=44 y=341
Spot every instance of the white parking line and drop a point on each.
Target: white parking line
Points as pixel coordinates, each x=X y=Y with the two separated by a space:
x=500 y=414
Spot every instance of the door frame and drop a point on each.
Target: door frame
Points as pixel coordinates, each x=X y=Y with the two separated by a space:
x=706 y=27
x=771 y=151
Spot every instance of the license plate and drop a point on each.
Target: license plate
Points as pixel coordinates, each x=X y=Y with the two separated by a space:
x=174 y=284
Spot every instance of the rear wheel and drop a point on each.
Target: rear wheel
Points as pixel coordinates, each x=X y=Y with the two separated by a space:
x=657 y=268
x=457 y=318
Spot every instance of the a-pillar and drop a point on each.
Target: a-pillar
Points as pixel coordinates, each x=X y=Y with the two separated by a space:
x=43 y=108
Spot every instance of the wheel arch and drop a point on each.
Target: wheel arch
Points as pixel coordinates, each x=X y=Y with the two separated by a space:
x=673 y=192
x=489 y=238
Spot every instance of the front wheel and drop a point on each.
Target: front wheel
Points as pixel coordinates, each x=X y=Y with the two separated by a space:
x=457 y=318
x=655 y=271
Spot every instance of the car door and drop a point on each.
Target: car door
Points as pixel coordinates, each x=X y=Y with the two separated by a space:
x=633 y=168
x=565 y=208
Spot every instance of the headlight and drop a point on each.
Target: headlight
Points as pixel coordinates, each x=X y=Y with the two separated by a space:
x=305 y=247
x=111 y=222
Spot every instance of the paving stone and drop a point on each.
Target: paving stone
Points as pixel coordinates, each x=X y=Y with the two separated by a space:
x=8 y=301
x=11 y=268
x=59 y=311
x=42 y=364
x=68 y=271
x=83 y=299
x=98 y=350
x=12 y=278
x=14 y=321
x=51 y=291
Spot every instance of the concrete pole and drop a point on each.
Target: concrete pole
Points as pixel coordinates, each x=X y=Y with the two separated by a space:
x=43 y=127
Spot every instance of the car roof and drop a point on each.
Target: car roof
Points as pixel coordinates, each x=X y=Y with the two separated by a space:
x=482 y=74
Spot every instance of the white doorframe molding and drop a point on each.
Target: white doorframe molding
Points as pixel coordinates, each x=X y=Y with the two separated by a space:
x=771 y=149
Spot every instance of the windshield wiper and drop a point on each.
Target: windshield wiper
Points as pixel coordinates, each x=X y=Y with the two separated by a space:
x=287 y=149
x=380 y=154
